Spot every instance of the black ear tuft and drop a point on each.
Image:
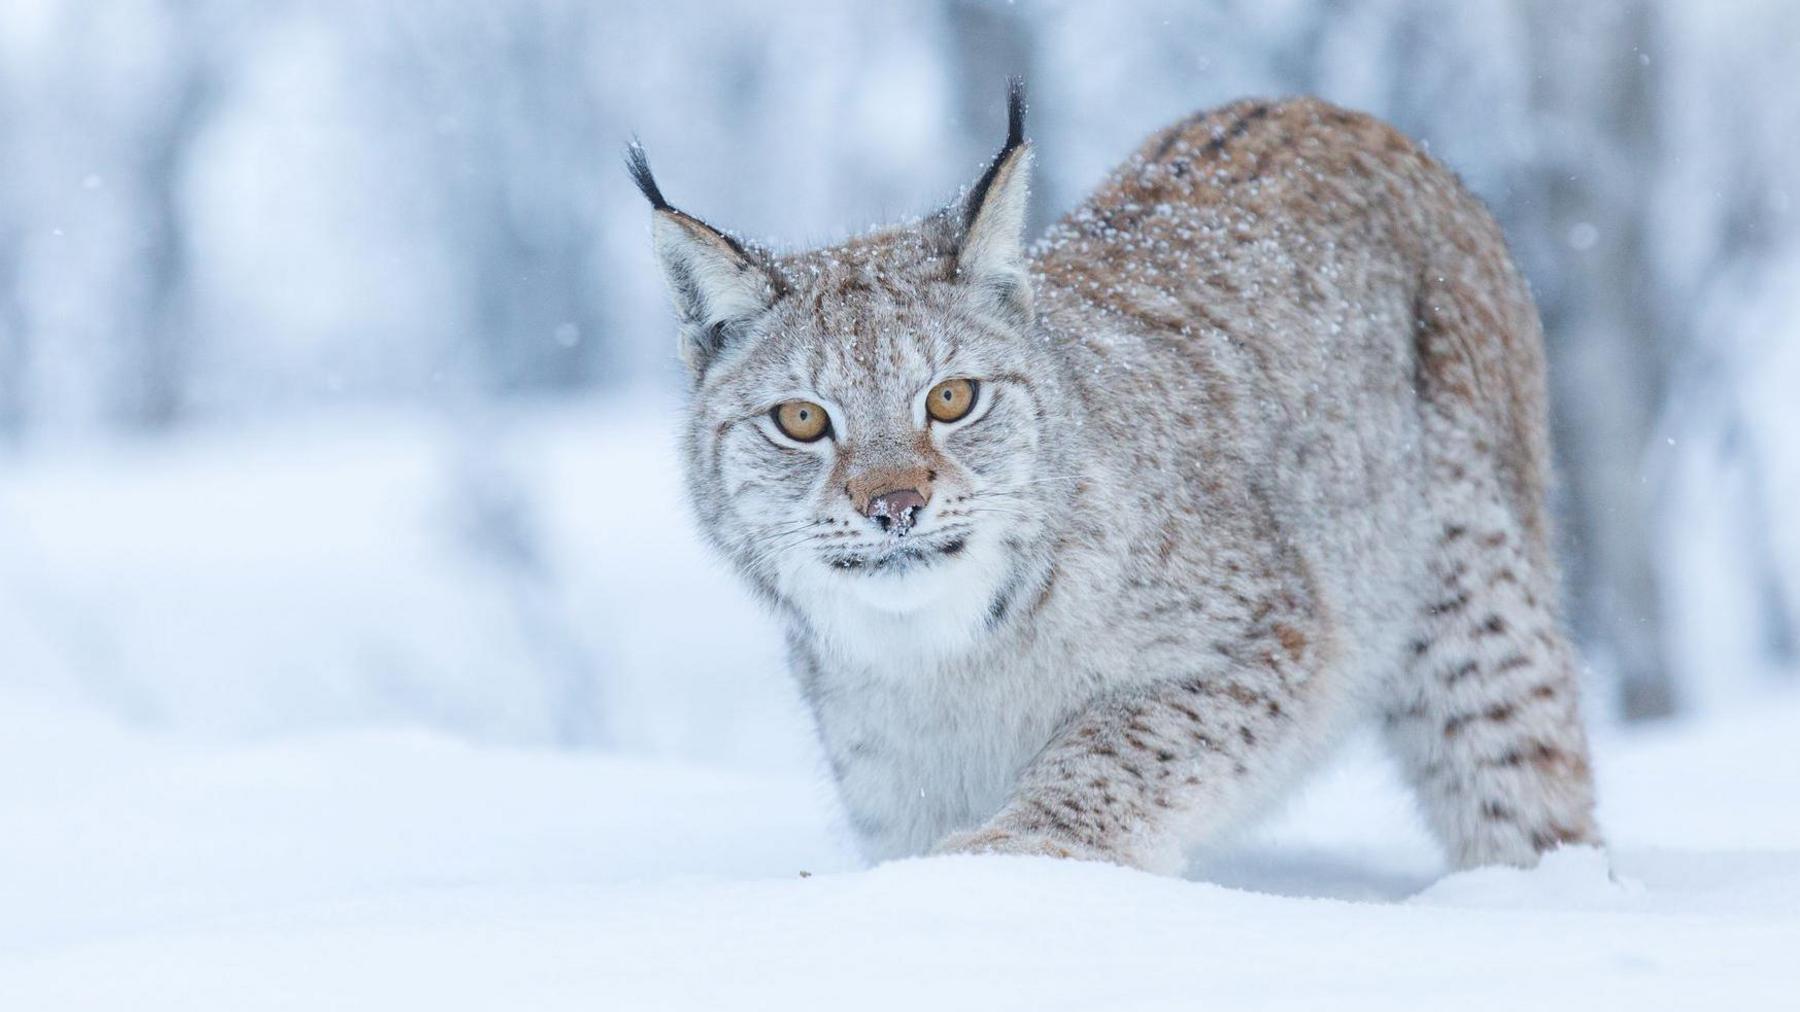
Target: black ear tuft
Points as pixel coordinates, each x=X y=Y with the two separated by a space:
x=1015 y=112
x=638 y=165
x=1015 y=136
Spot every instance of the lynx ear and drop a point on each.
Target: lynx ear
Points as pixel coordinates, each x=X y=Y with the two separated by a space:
x=719 y=285
x=991 y=252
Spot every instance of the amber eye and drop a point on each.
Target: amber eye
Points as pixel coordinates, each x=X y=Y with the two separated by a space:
x=950 y=400
x=801 y=420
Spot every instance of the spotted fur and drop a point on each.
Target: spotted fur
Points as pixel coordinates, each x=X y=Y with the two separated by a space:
x=1259 y=454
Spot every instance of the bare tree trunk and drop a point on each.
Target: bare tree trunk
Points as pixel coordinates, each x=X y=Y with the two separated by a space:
x=13 y=353
x=151 y=392
x=989 y=42
x=12 y=305
x=524 y=166
x=1608 y=339
x=1711 y=379
x=519 y=135
x=542 y=313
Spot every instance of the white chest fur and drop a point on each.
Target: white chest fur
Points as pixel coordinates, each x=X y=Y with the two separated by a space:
x=925 y=715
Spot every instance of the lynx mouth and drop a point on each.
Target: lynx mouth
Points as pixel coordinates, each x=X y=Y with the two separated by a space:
x=904 y=557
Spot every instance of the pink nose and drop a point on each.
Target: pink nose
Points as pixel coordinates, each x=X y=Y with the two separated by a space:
x=895 y=510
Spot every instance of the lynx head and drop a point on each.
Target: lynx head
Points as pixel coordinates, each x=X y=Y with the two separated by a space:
x=873 y=424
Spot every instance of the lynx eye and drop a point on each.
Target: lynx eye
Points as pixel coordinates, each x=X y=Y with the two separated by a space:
x=950 y=400
x=801 y=420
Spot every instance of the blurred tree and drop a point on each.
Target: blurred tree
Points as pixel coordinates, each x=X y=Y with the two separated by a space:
x=990 y=41
x=1581 y=207
x=505 y=97
x=1729 y=254
x=12 y=305
x=157 y=341
x=13 y=355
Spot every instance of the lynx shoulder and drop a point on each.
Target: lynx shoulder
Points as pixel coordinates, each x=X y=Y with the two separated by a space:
x=1091 y=547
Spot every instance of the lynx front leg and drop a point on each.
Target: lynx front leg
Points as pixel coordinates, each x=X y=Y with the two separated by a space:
x=1142 y=774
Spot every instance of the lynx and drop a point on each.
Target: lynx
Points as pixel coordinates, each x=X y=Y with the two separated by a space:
x=1091 y=547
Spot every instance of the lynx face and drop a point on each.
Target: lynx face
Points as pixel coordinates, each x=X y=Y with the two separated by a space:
x=874 y=429
x=875 y=437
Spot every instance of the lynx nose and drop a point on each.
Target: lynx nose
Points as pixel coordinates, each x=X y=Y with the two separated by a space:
x=894 y=510
x=891 y=496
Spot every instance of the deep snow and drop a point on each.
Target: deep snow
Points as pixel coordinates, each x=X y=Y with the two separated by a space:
x=271 y=738
x=388 y=870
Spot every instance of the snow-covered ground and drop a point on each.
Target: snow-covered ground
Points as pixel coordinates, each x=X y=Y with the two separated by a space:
x=274 y=735
x=395 y=870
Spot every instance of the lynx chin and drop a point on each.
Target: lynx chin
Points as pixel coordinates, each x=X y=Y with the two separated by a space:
x=1091 y=547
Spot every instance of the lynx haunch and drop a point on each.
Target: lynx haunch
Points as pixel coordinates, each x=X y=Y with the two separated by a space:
x=1091 y=547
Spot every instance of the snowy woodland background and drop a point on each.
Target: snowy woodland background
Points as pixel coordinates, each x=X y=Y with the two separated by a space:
x=336 y=383
x=357 y=650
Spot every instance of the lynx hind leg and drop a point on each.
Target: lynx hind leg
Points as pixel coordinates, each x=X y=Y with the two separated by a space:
x=1486 y=722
